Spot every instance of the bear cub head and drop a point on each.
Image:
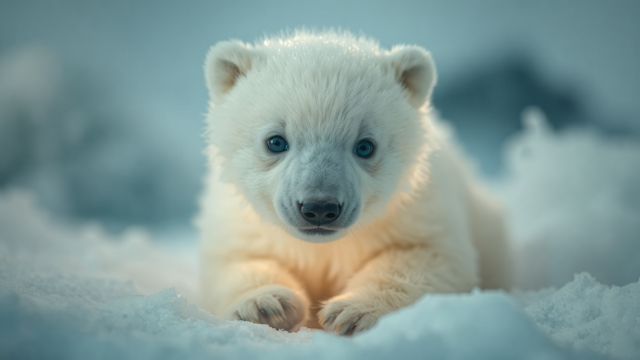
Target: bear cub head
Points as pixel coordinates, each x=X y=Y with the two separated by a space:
x=320 y=132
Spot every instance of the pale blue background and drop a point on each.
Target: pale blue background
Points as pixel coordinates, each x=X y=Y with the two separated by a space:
x=102 y=102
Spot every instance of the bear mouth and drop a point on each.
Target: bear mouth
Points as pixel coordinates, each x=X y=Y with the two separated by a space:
x=317 y=231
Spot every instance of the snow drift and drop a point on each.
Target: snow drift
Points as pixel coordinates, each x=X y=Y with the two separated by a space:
x=75 y=292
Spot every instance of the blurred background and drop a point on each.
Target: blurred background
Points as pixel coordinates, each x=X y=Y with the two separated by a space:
x=102 y=102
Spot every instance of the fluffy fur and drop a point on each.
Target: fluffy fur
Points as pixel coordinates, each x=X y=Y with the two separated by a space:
x=412 y=218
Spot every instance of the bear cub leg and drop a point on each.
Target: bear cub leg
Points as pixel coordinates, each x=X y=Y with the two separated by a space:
x=268 y=295
x=391 y=281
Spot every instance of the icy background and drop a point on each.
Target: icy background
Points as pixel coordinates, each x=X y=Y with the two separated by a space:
x=101 y=109
x=102 y=102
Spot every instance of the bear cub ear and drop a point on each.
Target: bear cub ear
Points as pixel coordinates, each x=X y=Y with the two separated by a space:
x=415 y=71
x=226 y=62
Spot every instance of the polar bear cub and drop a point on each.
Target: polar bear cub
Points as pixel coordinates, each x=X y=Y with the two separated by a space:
x=332 y=198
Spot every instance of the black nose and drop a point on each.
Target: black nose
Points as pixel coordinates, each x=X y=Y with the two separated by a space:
x=320 y=213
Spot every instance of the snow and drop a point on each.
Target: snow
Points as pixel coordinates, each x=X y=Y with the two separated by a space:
x=74 y=291
x=574 y=204
x=590 y=315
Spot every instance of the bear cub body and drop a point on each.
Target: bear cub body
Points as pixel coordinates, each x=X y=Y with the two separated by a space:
x=333 y=197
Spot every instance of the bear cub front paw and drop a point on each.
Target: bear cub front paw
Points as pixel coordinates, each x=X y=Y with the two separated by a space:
x=346 y=317
x=276 y=306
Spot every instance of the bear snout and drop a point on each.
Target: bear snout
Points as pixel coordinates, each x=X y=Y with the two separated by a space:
x=320 y=213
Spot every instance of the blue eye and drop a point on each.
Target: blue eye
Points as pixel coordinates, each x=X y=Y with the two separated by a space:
x=364 y=148
x=277 y=144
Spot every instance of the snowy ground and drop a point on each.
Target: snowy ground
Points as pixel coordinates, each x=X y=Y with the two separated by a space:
x=76 y=292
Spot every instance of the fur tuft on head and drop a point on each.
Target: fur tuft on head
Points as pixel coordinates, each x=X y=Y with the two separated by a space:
x=416 y=72
x=226 y=62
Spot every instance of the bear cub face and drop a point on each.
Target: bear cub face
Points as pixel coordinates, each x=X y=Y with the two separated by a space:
x=318 y=133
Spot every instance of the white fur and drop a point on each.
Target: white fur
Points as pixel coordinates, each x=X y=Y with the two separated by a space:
x=413 y=219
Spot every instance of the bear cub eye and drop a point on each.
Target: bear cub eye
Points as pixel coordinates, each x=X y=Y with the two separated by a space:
x=364 y=148
x=277 y=144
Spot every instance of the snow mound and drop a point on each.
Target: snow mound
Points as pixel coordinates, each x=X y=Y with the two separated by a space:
x=76 y=292
x=88 y=318
x=71 y=318
x=32 y=243
x=573 y=203
x=590 y=315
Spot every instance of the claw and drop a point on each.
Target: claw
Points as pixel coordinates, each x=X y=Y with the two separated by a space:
x=255 y=321
x=279 y=318
x=285 y=304
x=329 y=320
x=350 y=330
